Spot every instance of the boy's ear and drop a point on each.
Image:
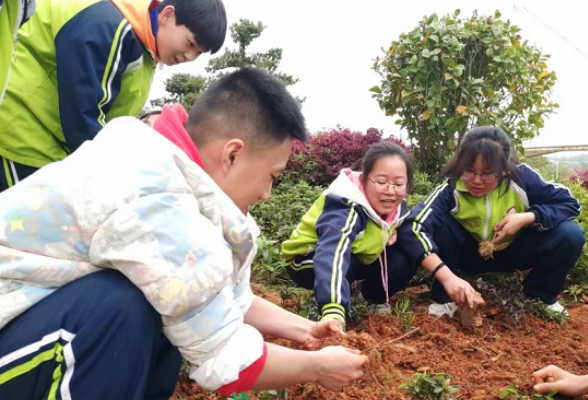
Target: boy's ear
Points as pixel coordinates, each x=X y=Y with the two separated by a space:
x=166 y=14
x=232 y=150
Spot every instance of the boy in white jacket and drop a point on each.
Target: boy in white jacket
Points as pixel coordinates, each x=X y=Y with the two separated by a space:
x=128 y=250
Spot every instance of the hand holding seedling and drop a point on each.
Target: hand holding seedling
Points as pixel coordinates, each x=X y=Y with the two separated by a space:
x=337 y=367
x=552 y=377
x=460 y=291
x=323 y=330
x=511 y=224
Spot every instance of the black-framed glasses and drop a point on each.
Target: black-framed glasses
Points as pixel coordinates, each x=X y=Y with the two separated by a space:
x=382 y=187
x=486 y=178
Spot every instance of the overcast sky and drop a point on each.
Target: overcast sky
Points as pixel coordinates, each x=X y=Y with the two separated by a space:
x=330 y=45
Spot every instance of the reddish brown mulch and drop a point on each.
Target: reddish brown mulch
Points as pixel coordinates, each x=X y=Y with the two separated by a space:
x=482 y=361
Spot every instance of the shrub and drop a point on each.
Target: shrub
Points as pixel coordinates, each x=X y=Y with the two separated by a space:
x=278 y=216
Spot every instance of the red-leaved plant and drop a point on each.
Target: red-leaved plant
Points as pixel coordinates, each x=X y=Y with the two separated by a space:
x=580 y=176
x=319 y=161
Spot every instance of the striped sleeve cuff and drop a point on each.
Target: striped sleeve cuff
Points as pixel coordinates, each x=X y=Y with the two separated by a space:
x=333 y=311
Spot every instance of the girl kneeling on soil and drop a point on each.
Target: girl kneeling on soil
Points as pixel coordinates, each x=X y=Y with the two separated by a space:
x=349 y=232
x=491 y=199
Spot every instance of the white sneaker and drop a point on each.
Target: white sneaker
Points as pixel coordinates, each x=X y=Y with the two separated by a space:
x=380 y=309
x=557 y=308
x=440 y=310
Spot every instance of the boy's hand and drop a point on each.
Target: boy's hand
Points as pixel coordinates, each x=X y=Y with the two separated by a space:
x=337 y=367
x=553 y=377
x=322 y=330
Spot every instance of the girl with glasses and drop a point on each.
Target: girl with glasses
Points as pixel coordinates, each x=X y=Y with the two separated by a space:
x=489 y=196
x=349 y=234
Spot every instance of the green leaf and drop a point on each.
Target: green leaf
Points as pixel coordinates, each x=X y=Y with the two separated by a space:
x=376 y=89
x=431 y=103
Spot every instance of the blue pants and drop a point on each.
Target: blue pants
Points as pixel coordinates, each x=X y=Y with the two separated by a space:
x=549 y=255
x=96 y=338
x=400 y=272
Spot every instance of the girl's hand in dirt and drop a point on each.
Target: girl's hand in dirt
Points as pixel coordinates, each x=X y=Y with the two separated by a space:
x=460 y=291
x=511 y=224
x=392 y=239
x=553 y=377
x=338 y=367
x=323 y=330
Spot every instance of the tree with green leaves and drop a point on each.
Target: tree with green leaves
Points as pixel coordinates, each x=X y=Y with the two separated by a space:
x=183 y=89
x=449 y=75
x=186 y=88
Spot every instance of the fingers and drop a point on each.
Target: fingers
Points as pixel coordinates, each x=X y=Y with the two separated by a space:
x=469 y=294
x=499 y=235
x=499 y=225
x=543 y=373
x=545 y=387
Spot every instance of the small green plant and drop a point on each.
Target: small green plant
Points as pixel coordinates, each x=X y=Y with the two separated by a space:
x=549 y=395
x=429 y=386
x=268 y=265
x=538 y=309
x=184 y=367
x=512 y=393
x=404 y=314
x=359 y=310
x=239 y=396
x=308 y=307
x=576 y=291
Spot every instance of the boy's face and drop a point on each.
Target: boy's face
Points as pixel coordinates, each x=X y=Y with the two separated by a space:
x=251 y=173
x=175 y=43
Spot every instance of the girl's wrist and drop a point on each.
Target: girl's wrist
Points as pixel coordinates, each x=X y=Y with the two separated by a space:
x=530 y=218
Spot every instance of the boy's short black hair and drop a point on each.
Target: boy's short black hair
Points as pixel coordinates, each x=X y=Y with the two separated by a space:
x=206 y=19
x=249 y=101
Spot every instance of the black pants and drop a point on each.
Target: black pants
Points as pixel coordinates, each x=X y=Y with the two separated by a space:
x=548 y=254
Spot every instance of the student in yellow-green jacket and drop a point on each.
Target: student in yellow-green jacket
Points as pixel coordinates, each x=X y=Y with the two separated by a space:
x=83 y=62
x=13 y=13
